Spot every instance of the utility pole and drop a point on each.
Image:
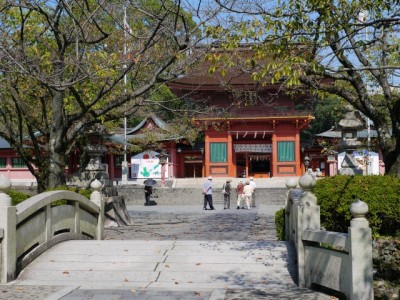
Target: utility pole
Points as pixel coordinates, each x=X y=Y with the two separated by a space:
x=124 y=165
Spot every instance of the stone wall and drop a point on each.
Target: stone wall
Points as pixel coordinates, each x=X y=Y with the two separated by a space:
x=188 y=196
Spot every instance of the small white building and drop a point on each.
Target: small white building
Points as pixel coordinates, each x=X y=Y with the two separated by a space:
x=146 y=165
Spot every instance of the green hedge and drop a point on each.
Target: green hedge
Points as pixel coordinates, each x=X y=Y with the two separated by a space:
x=84 y=192
x=16 y=196
x=381 y=193
x=280 y=224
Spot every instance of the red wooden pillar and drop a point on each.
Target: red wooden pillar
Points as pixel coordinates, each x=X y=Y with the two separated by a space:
x=111 y=166
x=274 y=159
x=172 y=166
x=298 y=154
x=231 y=166
x=247 y=165
x=207 y=155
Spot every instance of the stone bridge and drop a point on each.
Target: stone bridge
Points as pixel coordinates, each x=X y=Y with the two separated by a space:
x=59 y=252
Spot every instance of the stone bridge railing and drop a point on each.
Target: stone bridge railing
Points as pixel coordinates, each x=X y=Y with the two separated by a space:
x=338 y=261
x=36 y=224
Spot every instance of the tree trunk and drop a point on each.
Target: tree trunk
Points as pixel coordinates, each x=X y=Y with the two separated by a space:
x=41 y=184
x=57 y=143
x=57 y=170
x=392 y=160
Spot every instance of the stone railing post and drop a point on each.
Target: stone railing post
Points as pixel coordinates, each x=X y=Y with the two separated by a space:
x=8 y=222
x=98 y=199
x=360 y=252
x=308 y=218
x=291 y=184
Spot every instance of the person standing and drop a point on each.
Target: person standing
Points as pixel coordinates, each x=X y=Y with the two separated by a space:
x=148 y=190
x=239 y=192
x=248 y=193
x=253 y=198
x=207 y=191
x=227 y=193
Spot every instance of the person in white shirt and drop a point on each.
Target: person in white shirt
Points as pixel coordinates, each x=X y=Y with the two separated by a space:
x=207 y=192
x=253 y=198
x=248 y=193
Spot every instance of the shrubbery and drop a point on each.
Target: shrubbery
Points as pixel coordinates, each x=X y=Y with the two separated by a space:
x=381 y=193
x=84 y=192
x=280 y=224
x=16 y=196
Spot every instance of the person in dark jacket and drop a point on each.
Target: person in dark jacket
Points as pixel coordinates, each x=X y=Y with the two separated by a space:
x=148 y=190
x=227 y=188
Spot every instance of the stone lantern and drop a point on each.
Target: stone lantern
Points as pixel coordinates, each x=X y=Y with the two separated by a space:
x=307 y=160
x=95 y=150
x=163 y=159
x=349 y=126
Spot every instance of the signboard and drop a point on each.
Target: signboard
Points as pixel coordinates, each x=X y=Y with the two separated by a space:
x=253 y=148
x=146 y=165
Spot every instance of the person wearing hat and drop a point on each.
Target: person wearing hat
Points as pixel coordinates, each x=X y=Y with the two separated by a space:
x=207 y=191
x=248 y=193
x=253 y=198
x=226 y=190
x=239 y=192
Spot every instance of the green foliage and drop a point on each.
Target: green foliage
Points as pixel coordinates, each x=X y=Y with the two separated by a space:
x=16 y=196
x=280 y=224
x=381 y=193
x=84 y=192
x=327 y=113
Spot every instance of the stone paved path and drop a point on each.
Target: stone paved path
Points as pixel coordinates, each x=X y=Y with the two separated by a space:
x=190 y=222
x=235 y=240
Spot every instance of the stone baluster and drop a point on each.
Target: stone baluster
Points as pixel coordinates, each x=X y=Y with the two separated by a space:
x=291 y=184
x=308 y=217
x=8 y=220
x=97 y=198
x=307 y=183
x=5 y=183
x=360 y=251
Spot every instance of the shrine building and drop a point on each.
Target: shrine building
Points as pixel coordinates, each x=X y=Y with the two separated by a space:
x=253 y=128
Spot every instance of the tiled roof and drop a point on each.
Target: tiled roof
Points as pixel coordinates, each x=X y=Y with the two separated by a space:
x=362 y=134
x=160 y=123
